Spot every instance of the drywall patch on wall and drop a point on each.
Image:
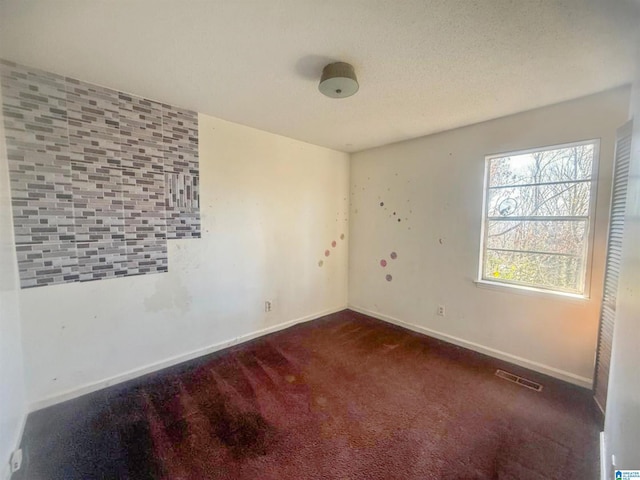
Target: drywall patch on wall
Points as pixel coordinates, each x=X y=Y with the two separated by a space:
x=169 y=294
x=100 y=179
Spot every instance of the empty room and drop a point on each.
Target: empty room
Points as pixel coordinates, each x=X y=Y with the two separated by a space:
x=319 y=239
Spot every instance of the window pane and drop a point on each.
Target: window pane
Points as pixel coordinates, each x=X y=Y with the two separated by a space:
x=562 y=164
x=546 y=271
x=557 y=236
x=538 y=209
x=560 y=199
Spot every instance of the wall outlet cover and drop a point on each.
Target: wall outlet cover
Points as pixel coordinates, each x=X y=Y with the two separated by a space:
x=16 y=460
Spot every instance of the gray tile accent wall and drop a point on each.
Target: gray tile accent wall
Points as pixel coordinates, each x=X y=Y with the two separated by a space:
x=180 y=138
x=100 y=179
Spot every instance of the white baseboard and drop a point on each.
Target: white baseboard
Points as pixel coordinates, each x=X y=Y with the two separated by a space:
x=492 y=352
x=603 y=457
x=154 y=367
x=5 y=473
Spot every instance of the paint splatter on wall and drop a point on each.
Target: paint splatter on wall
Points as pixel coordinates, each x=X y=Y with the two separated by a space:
x=327 y=252
x=395 y=214
x=383 y=263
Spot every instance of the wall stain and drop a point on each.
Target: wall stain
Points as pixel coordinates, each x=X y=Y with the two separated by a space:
x=170 y=294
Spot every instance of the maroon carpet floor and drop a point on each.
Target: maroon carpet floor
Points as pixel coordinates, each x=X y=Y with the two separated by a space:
x=343 y=397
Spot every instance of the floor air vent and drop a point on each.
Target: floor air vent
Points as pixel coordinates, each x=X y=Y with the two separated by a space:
x=519 y=380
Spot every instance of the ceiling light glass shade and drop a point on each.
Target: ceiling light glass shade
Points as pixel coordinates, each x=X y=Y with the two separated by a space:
x=338 y=80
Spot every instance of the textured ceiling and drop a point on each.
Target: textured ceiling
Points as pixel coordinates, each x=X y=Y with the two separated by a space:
x=424 y=65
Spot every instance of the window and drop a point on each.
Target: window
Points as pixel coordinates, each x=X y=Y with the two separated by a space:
x=538 y=209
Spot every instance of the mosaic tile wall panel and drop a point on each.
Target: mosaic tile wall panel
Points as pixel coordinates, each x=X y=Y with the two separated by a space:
x=99 y=179
x=180 y=137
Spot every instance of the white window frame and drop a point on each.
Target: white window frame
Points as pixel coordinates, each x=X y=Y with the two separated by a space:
x=588 y=258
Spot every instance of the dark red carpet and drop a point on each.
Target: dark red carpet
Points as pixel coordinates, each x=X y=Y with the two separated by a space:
x=343 y=397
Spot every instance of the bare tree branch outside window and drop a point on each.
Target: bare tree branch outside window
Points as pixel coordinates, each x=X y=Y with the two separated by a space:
x=538 y=207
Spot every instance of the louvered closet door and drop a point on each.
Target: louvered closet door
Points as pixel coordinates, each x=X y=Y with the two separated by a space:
x=614 y=257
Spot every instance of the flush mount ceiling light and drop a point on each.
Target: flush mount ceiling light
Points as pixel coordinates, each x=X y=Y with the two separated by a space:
x=338 y=80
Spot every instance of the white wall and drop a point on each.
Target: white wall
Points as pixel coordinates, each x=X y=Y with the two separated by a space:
x=270 y=208
x=435 y=185
x=13 y=405
x=622 y=425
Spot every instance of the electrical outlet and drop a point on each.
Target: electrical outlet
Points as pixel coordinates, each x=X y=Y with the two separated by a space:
x=267 y=306
x=16 y=460
x=441 y=311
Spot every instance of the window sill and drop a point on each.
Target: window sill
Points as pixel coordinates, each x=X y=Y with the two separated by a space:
x=530 y=291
